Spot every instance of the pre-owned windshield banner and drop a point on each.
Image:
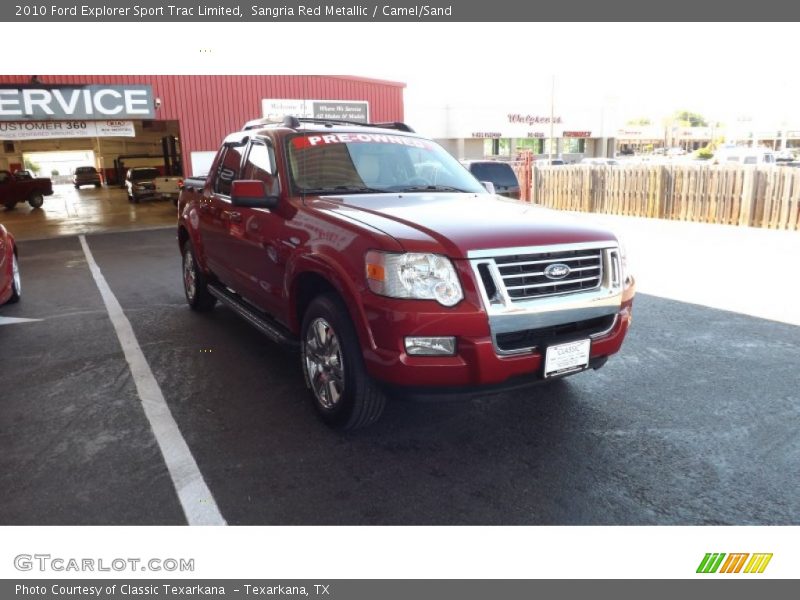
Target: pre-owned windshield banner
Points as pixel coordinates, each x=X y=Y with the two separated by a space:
x=401 y=11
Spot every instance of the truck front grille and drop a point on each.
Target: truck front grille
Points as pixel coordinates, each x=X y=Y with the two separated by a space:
x=525 y=276
x=545 y=336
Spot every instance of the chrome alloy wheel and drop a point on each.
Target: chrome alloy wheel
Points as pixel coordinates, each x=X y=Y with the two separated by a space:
x=189 y=276
x=323 y=363
x=15 y=274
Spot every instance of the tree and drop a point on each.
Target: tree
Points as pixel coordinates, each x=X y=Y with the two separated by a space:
x=31 y=166
x=689 y=119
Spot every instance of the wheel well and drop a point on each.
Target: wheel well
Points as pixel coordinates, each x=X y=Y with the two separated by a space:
x=308 y=287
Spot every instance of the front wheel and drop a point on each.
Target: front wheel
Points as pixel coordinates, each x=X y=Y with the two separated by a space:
x=36 y=201
x=195 y=284
x=16 y=283
x=345 y=396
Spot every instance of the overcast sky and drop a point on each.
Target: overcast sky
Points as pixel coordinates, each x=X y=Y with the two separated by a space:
x=723 y=71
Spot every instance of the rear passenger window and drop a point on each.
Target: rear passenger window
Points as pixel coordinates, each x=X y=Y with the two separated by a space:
x=228 y=170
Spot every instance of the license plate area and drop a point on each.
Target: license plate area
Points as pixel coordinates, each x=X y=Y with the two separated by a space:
x=570 y=357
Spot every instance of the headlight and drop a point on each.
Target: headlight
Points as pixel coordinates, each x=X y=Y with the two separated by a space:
x=413 y=275
x=623 y=260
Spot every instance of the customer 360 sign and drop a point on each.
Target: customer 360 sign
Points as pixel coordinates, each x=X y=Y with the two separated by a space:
x=88 y=102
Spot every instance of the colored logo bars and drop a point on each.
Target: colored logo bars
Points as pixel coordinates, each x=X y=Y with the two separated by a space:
x=733 y=563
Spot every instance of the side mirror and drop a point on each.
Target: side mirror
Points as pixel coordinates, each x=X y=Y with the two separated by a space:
x=489 y=187
x=252 y=193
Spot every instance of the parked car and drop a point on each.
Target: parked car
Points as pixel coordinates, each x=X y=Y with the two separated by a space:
x=744 y=155
x=86 y=176
x=168 y=188
x=10 y=287
x=23 y=188
x=323 y=236
x=498 y=173
x=551 y=162
x=146 y=182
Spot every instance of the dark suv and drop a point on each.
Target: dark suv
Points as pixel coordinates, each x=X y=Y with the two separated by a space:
x=86 y=176
x=499 y=174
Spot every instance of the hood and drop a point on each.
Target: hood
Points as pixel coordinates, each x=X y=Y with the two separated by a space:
x=454 y=224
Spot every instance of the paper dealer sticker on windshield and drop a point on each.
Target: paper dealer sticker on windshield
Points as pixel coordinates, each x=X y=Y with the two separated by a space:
x=309 y=141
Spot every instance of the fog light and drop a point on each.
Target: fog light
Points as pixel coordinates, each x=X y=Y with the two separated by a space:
x=431 y=346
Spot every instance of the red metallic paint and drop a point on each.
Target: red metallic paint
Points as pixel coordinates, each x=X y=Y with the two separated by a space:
x=7 y=246
x=331 y=236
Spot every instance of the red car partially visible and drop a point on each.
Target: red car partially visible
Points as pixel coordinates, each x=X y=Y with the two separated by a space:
x=9 y=269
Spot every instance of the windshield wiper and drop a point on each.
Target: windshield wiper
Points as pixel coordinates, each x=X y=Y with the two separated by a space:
x=428 y=188
x=347 y=189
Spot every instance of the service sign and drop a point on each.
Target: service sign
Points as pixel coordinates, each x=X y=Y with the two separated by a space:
x=45 y=130
x=346 y=110
x=88 y=102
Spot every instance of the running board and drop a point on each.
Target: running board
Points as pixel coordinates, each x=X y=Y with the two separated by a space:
x=264 y=324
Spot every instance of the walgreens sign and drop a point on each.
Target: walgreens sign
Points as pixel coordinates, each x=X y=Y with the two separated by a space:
x=90 y=102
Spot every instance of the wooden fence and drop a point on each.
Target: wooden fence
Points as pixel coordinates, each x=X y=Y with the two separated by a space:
x=735 y=195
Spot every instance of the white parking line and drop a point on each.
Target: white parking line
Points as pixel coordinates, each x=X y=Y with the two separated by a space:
x=198 y=504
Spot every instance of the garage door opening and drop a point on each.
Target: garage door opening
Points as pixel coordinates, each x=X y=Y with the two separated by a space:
x=58 y=165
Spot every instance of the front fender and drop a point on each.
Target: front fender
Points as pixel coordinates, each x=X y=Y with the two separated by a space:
x=337 y=276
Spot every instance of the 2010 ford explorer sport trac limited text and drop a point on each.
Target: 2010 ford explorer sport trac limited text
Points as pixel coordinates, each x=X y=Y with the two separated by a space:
x=391 y=268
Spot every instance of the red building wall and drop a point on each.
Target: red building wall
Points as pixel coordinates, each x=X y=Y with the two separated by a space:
x=211 y=106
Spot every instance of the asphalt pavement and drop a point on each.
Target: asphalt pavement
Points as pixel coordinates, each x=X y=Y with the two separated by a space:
x=694 y=422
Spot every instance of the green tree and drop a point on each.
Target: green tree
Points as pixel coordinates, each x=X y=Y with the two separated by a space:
x=31 y=166
x=689 y=119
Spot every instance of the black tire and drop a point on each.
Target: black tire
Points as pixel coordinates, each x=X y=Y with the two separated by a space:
x=16 y=287
x=195 y=282
x=77 y=187
x=345 y=396
x=36 y=200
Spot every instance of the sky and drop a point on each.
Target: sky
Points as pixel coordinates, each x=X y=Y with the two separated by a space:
x=723 y=71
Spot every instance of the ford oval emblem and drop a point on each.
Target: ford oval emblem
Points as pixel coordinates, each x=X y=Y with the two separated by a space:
x=556 y=271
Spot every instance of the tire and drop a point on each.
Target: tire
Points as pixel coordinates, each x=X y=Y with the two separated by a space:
x=344 y=394
x=77 y=187
x=36 y=200
x=16 y=287
x=195 y=283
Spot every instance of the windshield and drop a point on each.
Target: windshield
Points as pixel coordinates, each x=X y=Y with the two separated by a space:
x=372 y=162
x=144 y=173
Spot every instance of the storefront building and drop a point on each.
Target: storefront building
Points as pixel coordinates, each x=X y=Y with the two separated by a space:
x=475 y=132
x=173 y=122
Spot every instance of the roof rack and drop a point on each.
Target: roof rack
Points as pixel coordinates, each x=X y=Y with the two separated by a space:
x=294 y=122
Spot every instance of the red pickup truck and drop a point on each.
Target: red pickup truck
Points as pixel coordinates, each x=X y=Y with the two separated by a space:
x=392 y=269
x=22 y=187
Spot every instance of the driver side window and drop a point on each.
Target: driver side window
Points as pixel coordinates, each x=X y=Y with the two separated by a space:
x=260 y=164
